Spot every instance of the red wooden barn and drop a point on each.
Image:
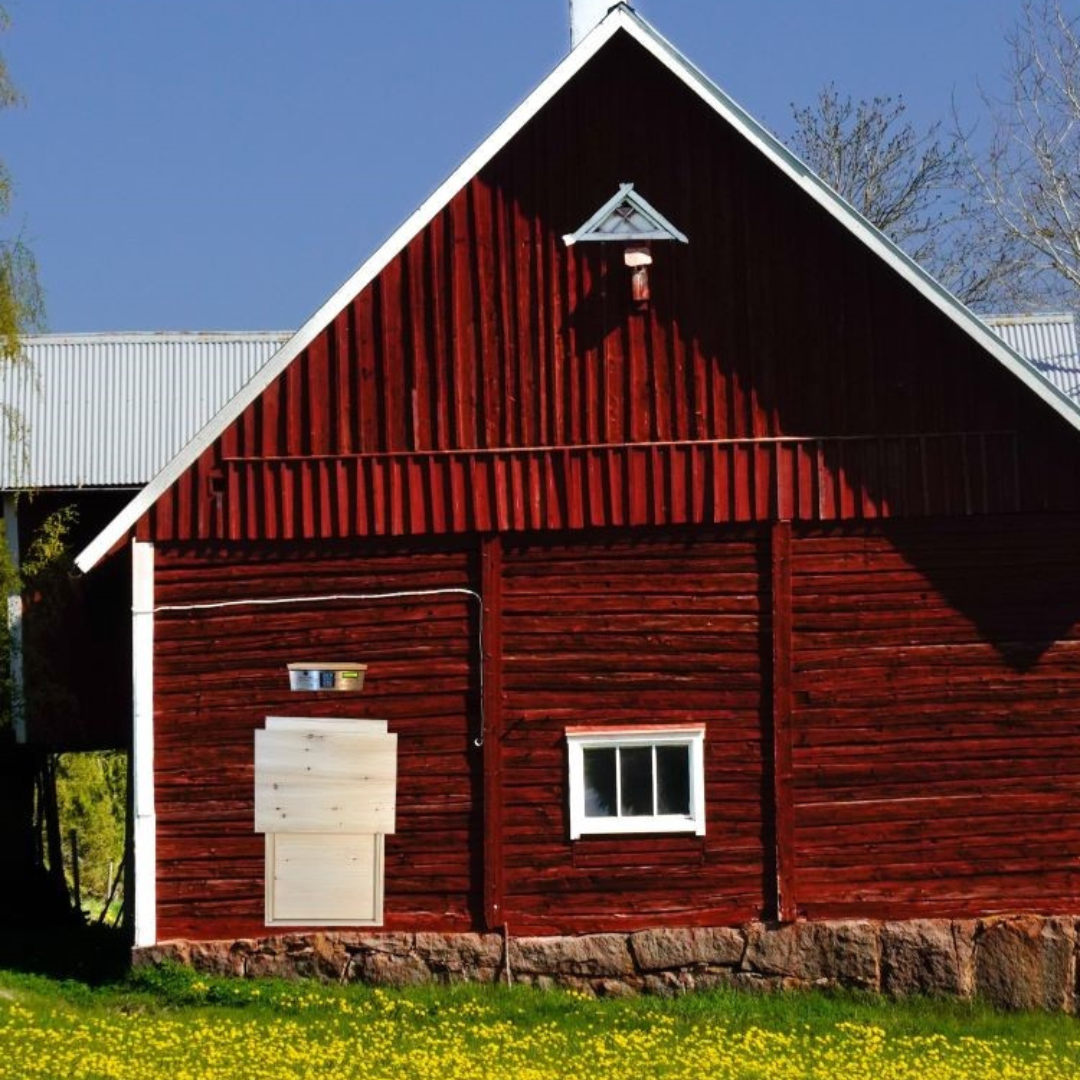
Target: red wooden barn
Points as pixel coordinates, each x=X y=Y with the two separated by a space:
x=710 y=564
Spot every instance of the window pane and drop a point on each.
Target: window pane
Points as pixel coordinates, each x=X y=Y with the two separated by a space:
x=599 y=782
x=636 y=776
x=673 y=779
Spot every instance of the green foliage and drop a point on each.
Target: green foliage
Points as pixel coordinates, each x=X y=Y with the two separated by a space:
x=10 y=583
x=48 y=556
x=45 y=574
x=21 y=310
x=91 y=793
x=22 y=307
x=167 y=1022
x=91 y=788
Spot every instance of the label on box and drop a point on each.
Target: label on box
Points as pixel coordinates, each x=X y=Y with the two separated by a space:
x=324 y=676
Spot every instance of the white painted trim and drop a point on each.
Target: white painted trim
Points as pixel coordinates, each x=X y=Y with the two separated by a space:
x=618 y=19
x=652 y=735
x=15 y=621
x=145 y=839
x=662 y=228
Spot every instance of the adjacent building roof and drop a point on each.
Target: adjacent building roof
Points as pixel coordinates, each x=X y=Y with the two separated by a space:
x=1049 y=342
x=621 y=19
x=110 y=410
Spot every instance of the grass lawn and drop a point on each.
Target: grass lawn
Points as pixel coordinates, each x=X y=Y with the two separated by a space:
x=174 y=1024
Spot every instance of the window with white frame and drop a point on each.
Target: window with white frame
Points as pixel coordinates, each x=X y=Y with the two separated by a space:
x=636 y=780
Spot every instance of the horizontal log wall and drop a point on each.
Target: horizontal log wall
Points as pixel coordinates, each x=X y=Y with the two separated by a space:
x=649 y=630
x=937 y=719
x=931 y=712
x=219 y=673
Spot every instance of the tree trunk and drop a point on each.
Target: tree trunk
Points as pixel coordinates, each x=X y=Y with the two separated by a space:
x=35 y=892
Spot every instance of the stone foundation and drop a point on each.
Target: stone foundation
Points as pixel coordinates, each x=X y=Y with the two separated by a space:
x=1016 y=962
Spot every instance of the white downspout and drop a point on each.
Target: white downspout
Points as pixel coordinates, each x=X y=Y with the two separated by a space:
x=15 y=621
x=142 y=747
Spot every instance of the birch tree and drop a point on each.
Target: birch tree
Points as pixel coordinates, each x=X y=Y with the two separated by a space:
x=21 y=307
x=1028 y=174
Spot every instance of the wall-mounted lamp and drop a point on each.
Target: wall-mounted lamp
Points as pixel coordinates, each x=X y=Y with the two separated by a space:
x=639 y=259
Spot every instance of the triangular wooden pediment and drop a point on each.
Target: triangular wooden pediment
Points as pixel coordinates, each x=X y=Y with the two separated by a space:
x=627 y=217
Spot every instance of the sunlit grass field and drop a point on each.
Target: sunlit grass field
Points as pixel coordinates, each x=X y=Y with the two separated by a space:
x=177 y=1025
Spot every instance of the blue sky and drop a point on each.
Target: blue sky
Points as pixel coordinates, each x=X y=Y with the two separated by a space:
x=226 y=164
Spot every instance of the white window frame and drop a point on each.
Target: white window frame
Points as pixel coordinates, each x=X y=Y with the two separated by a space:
x=578 y=740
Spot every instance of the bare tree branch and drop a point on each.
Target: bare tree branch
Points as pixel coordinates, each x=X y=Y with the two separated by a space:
x=909 y=185
x=1028 y=174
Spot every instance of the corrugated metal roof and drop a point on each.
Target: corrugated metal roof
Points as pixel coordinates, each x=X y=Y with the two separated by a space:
x=109 y=410
x=1049 y=342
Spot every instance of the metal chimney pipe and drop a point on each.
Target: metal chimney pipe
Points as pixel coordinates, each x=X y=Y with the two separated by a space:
x=584 y=15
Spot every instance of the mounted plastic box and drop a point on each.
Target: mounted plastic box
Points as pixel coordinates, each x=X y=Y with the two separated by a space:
x=320 y=675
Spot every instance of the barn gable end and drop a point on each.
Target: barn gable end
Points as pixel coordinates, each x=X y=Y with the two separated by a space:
x=491 y=377
x=419 y=315
x=798 y=502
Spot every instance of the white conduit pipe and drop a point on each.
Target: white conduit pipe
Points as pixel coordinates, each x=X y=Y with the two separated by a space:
x=361 y=597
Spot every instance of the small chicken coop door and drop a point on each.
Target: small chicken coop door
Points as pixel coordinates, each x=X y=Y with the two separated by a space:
x=325 y=797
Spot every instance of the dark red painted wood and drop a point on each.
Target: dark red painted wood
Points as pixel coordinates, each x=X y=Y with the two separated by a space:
x=932 y=718
x=491 y=578
x=782 y=773
x=488 y=334
x=654 y=484
x=915 y=702
x=624 y=631
x=220 y=672
x=935 y=707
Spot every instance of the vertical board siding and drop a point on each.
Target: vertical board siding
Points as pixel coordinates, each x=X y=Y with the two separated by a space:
x=937 y=719
x=631 y=631
x=486 y=333
x=219 y=673
x=664 y=484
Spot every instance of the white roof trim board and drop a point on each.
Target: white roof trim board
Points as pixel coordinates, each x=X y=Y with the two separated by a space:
x=627 y=217
x=620 y=19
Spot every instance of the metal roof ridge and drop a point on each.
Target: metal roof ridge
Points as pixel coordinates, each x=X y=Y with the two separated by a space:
x=1029 y=317
x=152 y=335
